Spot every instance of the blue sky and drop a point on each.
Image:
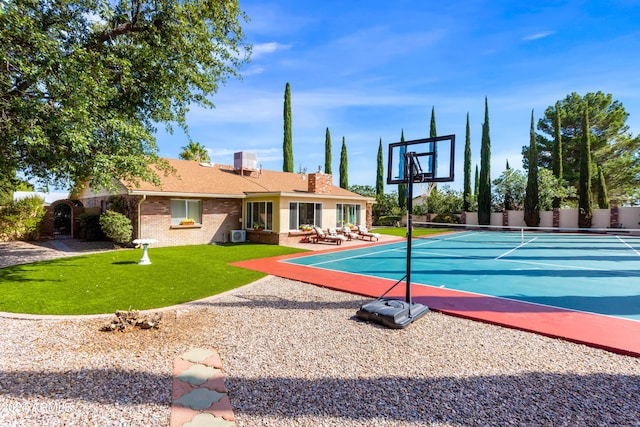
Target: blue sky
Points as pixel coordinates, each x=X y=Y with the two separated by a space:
x=370 y=69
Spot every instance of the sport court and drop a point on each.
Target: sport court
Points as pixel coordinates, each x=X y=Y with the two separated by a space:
x=580 y=287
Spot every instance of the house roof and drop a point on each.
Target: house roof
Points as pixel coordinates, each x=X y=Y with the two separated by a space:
x=206 y=180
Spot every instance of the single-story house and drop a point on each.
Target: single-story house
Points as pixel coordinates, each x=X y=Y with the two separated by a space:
x=205 y=203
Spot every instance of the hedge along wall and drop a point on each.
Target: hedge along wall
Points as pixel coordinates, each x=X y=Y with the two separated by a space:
x=21 y=219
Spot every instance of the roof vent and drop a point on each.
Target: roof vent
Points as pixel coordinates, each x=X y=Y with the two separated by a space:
x=245 y=161
x=207 y=165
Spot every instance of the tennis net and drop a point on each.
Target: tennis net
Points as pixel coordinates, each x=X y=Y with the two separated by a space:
x=521 y=234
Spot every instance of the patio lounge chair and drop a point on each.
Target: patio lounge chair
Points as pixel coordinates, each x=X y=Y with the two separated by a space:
x=348 y=233
x=362 y=230
x=321 y=236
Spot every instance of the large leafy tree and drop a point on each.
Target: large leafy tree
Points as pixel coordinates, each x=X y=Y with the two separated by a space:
x=612 y=146
x=444 y=200
x=287 y=143
x=531 y=199
x=484 y=186
x=363 y=190
x=466 y=193
x=514 y=183
x=509 y=190
x=85 y=83
x=550 y=189
x=195 y=151
x=327 y=152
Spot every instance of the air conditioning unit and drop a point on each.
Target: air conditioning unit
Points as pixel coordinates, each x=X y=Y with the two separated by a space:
x=238 y=236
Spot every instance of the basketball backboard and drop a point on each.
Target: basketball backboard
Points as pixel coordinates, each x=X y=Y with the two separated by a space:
x=432 y=160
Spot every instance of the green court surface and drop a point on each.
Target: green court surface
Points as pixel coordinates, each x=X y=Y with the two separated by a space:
x=583 y=272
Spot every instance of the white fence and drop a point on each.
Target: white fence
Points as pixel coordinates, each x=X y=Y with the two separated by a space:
x=627 y=218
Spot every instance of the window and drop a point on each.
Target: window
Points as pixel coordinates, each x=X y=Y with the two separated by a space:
x=304 y=213
x=347 y=214
x=259 y=215
x=182 y=210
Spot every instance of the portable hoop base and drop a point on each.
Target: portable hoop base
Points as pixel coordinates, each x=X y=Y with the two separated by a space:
x=392 y=313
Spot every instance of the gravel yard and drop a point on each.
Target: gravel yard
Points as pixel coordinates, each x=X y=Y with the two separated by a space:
x=294 y=355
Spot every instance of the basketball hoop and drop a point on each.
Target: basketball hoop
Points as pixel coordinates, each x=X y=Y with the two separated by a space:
x=418 y=162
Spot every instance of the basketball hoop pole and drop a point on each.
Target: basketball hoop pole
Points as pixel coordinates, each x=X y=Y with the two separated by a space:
x=410 y=162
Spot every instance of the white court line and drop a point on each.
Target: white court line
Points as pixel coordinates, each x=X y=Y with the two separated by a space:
x=517 y=247
x=575 y=267
x=350 y=257
x=628 y=245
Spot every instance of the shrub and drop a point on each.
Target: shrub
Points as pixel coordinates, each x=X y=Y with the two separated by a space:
x=389 y=220
x=21 y=219
x=116 y=227
x=446 y=218
x=90 y=228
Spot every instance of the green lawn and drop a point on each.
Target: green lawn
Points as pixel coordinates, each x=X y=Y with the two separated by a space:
x=110 y=281
x=402 y=231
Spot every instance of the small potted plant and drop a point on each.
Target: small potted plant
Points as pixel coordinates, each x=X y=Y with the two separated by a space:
x=258 y=226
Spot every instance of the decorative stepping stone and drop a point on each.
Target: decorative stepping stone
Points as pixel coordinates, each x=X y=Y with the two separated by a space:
x=208 y=420
x=197 y=355
x=198 y=392
x=200 y=398
x=198 y=374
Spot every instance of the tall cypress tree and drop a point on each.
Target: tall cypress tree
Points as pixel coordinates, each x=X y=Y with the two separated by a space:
x=476 y=183
x=531 y=197
x=585 y=210
x=327 y=152
x=556 y=154
x=344 y=166
x=484 y=187
x=287 y=145
x=380 y=172
x=432 y=127
x=508 y=197
x=402 y=188
x=466 y=195
x=603 y=197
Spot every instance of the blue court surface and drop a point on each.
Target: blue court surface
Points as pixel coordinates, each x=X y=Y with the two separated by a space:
x=589 y=273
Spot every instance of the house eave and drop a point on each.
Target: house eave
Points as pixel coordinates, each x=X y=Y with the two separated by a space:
x=304 y=194
x=184 y=194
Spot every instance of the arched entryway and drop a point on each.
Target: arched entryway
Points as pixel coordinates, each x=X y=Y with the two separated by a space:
x=62 y=219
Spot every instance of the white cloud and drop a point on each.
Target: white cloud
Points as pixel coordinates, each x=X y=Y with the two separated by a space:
x=251 y=71
x=261 y=49
x=540 y=35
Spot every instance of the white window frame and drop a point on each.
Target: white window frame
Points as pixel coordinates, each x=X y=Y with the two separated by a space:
x=295 y=220
x=176 y=220
x=266 y=214
x=340 y=221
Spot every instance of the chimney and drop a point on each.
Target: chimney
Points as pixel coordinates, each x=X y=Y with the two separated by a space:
x=320 y=183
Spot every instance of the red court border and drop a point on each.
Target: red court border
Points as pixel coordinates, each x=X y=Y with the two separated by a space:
x=609 y=333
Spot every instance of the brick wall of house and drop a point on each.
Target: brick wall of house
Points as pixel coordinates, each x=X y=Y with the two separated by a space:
x=219 y=217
